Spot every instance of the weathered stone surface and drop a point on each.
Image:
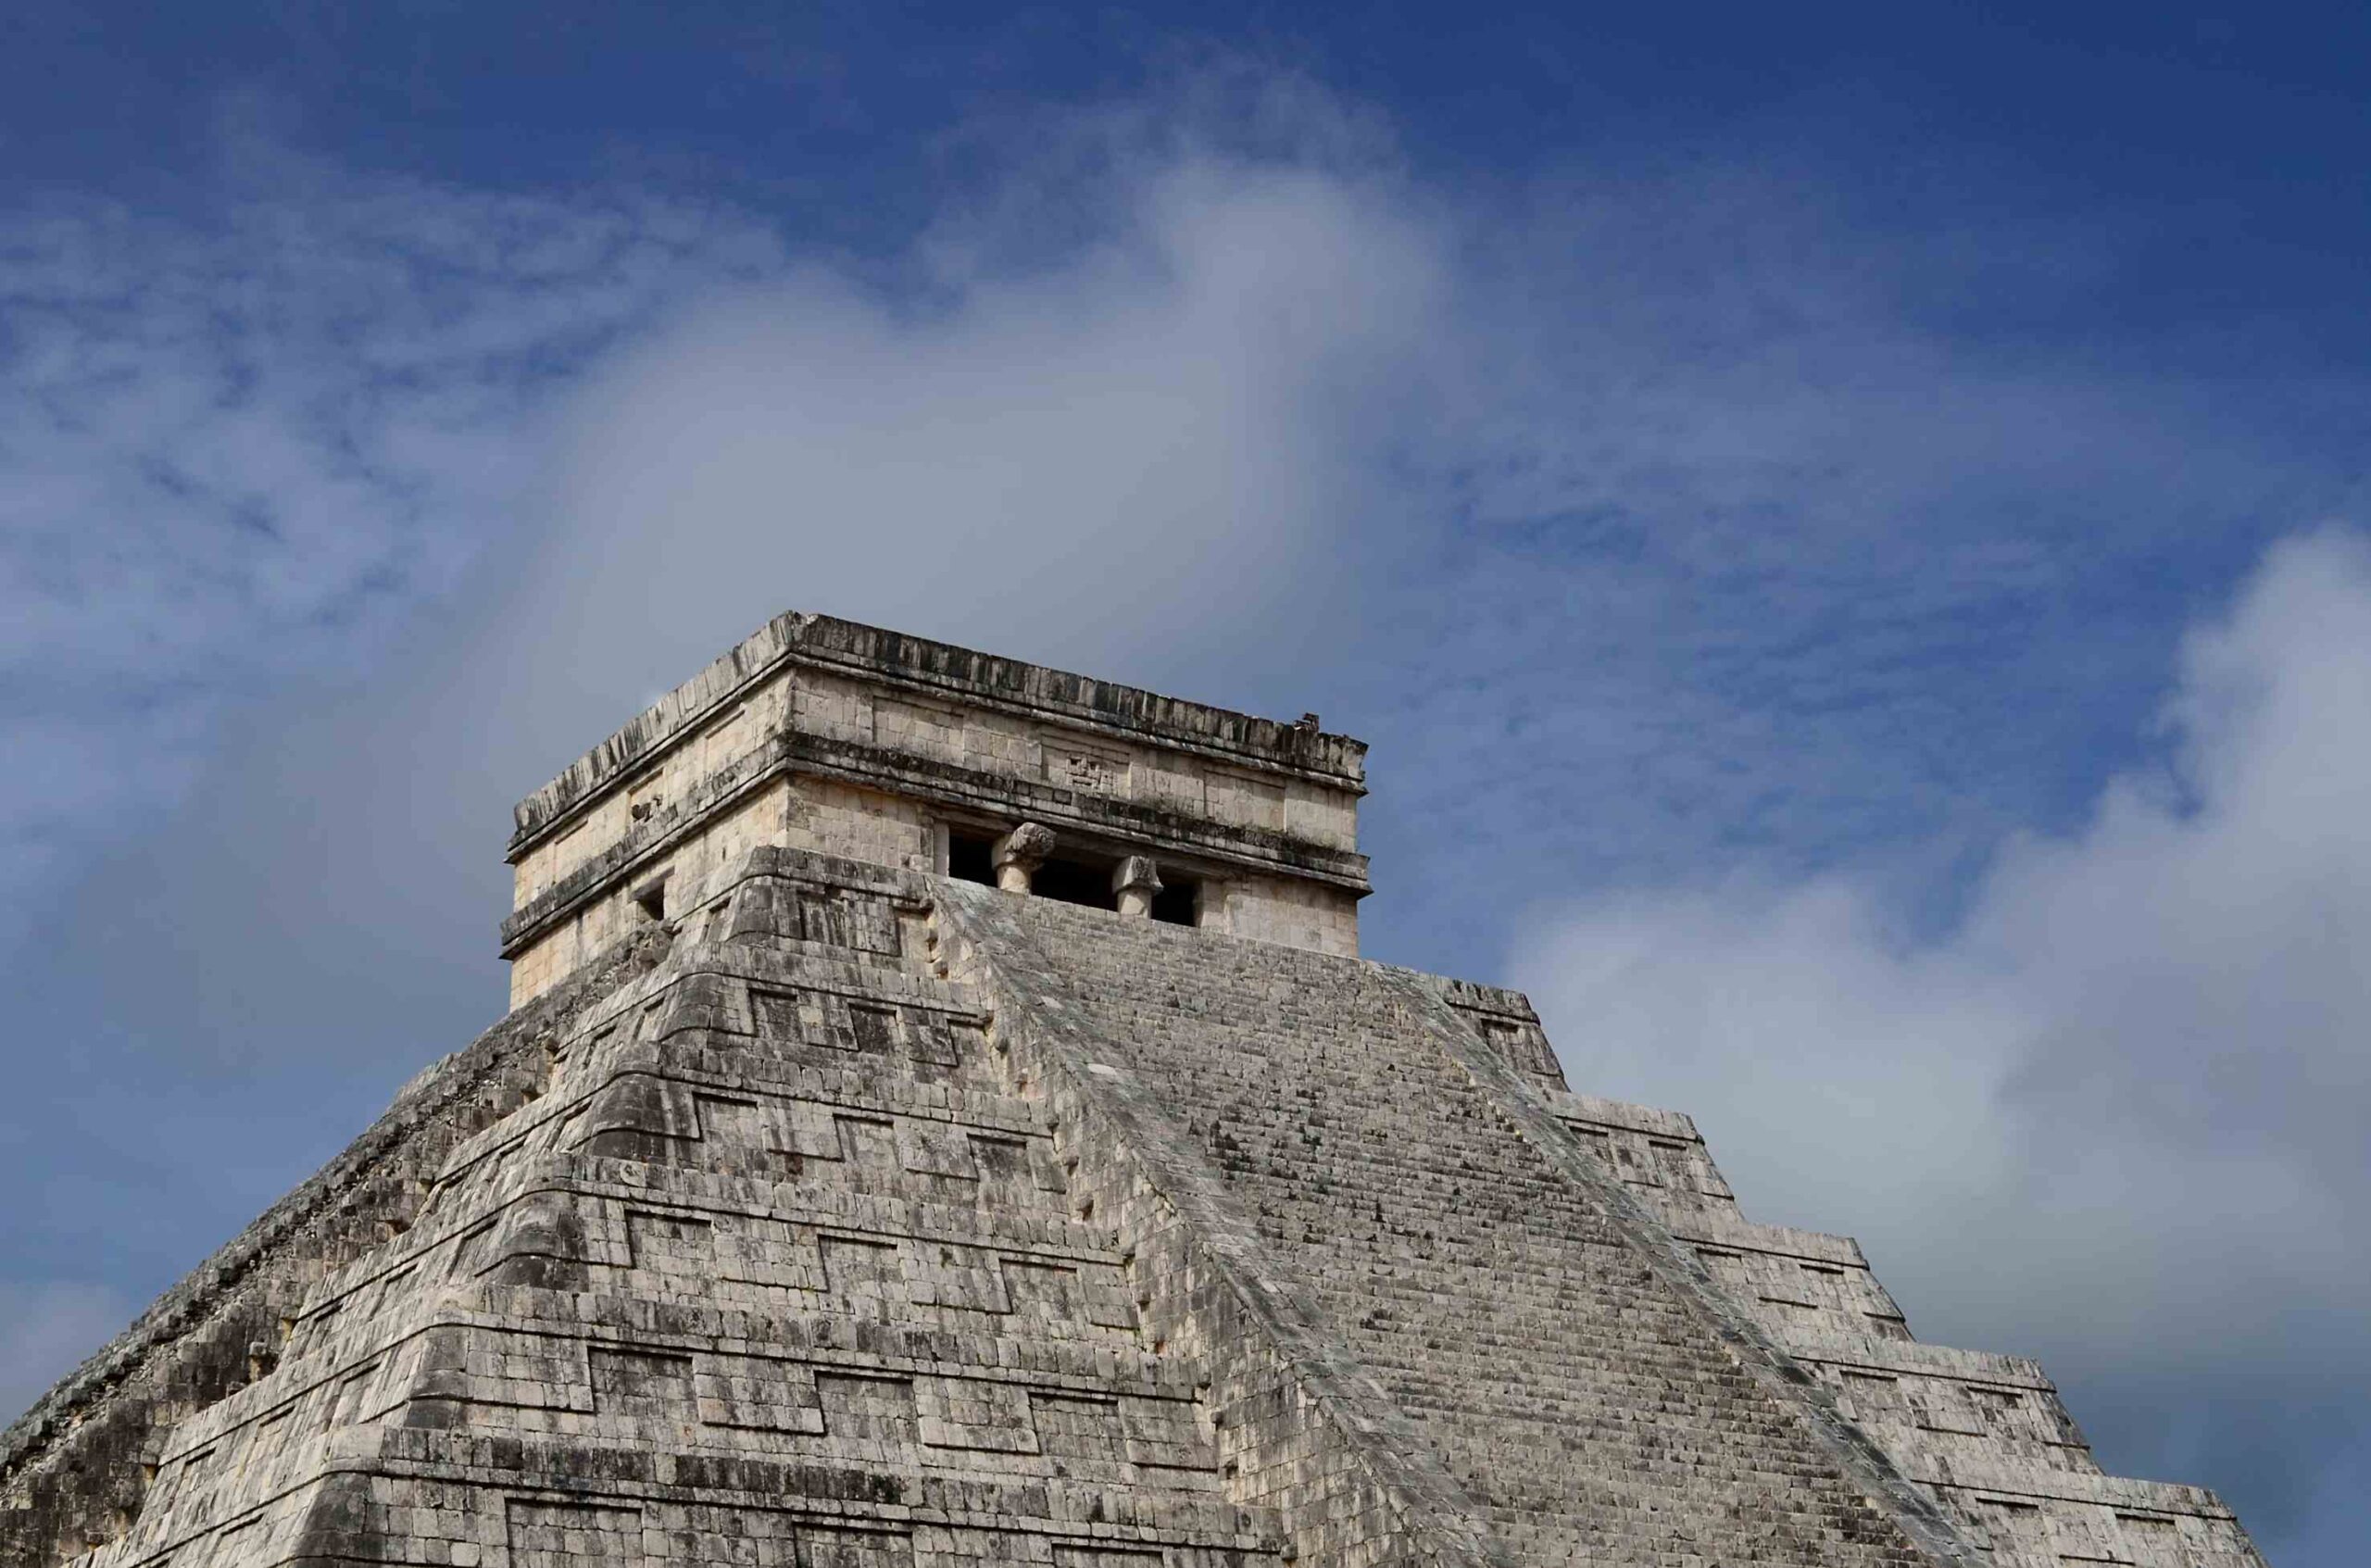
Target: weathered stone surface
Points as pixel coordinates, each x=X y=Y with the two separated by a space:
x=1017 y=854
x=821 y=735
x=836 y=1211
x=1135 y=883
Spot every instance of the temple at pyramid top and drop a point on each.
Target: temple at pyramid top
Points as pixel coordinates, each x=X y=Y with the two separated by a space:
x=823 y=735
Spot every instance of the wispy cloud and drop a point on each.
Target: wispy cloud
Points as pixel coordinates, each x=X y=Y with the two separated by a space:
x=1142 y=460
x=1768 y=551
x=246 y=442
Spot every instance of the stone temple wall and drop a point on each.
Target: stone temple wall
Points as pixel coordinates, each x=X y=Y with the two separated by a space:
x=821 y=735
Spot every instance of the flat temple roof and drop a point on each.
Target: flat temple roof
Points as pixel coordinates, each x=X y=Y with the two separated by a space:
x=955 y=673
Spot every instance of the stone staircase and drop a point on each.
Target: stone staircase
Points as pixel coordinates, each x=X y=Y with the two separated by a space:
x=1985 y=1433
x=1531 y=1276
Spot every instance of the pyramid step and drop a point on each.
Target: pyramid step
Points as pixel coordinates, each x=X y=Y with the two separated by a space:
x=467 y=1497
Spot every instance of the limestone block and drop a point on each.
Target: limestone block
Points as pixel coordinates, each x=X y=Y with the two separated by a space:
x=1017 y=854
x=1135 y=882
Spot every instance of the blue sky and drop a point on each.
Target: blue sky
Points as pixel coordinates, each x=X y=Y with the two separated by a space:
x=1845 y=532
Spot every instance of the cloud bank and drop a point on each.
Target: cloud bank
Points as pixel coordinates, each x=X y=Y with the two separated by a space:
x=2115 y=1116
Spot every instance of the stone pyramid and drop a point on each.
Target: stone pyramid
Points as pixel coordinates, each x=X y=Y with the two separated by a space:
x=944 y=1121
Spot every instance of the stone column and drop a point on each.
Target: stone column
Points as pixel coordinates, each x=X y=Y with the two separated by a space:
x=1018 y=854
x=1136 y=881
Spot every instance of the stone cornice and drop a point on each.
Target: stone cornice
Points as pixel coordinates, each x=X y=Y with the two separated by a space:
x=950 y=673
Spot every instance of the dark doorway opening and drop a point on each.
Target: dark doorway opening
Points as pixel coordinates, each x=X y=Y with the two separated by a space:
x=1070 y=879
x=1075 y=882
x=967 y=857
x=1178 y=902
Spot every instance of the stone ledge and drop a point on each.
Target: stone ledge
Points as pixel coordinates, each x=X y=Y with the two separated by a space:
x=945 y=671
x=1496 y=1000
x=2044 y=1485
x=1777 y=1241
x=1919 y=1358
x=1622 y=1117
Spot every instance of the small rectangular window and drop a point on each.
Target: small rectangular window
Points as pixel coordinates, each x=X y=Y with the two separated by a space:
x=968 y=857
x=1177 y=900
x=651 y=899
x=1075 y=882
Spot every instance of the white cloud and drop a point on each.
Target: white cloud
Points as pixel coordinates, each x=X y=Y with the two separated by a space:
x=2115 y=1116
x=1137 y=457
x=246 y=444
x=1147 y=446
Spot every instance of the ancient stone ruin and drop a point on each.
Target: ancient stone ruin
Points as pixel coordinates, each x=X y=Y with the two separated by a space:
x=944 y=1121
